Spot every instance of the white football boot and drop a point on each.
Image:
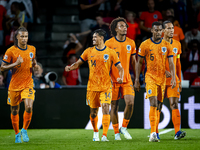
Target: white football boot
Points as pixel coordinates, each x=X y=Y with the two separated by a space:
x=125 y=133
x=153 y=137
x=96 y=136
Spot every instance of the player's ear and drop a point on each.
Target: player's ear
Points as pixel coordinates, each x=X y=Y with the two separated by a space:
x=151 y=30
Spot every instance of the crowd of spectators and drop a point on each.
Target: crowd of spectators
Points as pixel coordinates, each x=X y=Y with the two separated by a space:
x=95 y=14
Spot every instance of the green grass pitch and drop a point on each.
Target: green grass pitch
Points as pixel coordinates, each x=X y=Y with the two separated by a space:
x=80 y=139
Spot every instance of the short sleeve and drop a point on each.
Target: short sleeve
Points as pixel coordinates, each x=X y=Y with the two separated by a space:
x=179 y=48
x=133 y=49
x=170 y=50
x=142 y=17
x=107 y=43
x=142 y=50
x=84 y=56
x=115 y=58
x=7 y=58
x=182 y=36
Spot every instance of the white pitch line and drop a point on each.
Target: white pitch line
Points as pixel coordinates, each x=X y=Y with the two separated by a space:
x=165 y=131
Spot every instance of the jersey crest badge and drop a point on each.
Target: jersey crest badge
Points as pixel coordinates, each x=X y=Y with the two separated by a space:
x=128 y=47
x=155 y=16
x=175 y=50
x=31 y=55
x=106 y=56
x=164 y=49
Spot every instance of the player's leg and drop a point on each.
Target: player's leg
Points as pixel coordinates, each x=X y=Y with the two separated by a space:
x=105 y=98
x=28 y=96
x=14 y=99
x=105 y=121
x=114 y=110
x=94 y=104
x=94 y=121
x=152 y=93
x=176 y=118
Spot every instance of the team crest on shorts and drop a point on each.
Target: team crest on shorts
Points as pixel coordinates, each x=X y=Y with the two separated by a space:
x=155 y=16
x=175 y=50
x=149 y=91
x=106 y=57
x=31 y=55
x=164 y=50
x=128 y=47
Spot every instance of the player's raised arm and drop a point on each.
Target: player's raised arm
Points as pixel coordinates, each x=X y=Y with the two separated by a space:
x=6 y=66
x=138 y=70
x=172 y=70
x=121 y=73
x=74 y=66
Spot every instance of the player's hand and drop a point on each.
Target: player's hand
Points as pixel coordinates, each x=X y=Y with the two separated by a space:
x=19 y=60
x=180 y=87
x=173 y=82
x=119 y=80
x=67 y=68
x=137 y=85
x=168 y=74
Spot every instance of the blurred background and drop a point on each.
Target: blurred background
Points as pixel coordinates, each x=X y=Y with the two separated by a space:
x=62 y=30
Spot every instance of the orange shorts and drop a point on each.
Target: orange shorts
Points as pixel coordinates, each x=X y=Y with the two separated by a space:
x=96 y=98
x=153 y=89
x=172 y=92
x=16 y=97
x=122 y=89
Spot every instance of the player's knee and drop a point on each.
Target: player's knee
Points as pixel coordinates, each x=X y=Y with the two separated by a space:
x=93 y=114
x=130 y=103
x=174 y=105
x=28 y=108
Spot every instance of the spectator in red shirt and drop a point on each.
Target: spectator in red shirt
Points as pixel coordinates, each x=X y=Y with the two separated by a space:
x=133 y=29
x=73 y=77
x=148 y=17
x=196 y=81
x=2 y=15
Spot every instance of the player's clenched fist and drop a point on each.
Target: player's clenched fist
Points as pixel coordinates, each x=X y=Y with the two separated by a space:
x=119 y=80
x=137 y=85
x=67 y=68
x=19 y=60
x=173 y=82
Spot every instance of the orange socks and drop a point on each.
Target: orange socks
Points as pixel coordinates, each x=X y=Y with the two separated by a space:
x=176 y=119
x=116 y=128
x=94 y=122
x=158 y=120
x=106 y=123
x=125 y=123
x=15 y=122
x=27 y=120
x=153 y=118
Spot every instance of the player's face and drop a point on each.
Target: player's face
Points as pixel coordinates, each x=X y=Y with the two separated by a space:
x=96 y=39
x=22 y=37
x=157 y=32
x=121 y=28
x=169 y=30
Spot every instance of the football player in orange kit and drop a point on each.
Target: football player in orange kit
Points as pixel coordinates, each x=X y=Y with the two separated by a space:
x=172 y=94
x=99 y=89
x=20 y=58
x=155 y=51
x=125 y=48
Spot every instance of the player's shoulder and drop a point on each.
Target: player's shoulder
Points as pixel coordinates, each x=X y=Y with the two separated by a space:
x=147 y=41
x=176 y=42
x=30 y=47
x=11 y=49
x=89 y=49
x=111 y=40
x=129 y=40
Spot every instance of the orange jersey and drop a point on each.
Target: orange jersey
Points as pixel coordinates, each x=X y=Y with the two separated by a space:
x=21 y=74
x=155 y=55
x=124 y=49
x=100 y=62
x=176 y=45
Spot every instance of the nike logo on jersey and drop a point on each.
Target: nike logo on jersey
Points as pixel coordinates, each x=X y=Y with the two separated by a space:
x=92 y=56
x=150 y=49
x=115 y=47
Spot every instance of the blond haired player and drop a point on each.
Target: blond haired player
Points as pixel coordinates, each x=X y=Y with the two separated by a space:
x=100 y=58
x=172 y=94
x=20 y=58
